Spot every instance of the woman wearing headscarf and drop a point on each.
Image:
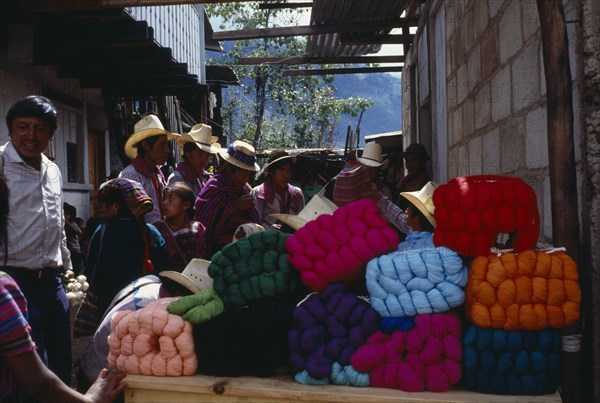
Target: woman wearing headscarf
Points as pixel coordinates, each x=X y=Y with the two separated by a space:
x=276 y=195
x=225 y=202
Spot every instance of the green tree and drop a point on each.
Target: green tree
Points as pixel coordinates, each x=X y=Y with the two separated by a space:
x=271 y=110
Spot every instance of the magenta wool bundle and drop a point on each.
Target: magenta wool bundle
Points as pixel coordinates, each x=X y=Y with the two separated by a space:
x=426 y=357
x=337 y=247
x=328 y=328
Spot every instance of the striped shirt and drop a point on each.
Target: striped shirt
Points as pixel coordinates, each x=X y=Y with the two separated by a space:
x=15 y=331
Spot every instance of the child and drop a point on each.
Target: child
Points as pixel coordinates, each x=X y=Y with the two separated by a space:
x=185 y=237
x=125 y=247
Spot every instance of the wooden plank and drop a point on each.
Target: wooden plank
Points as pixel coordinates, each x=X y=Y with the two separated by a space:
x=273 y=6
x=350 y=70
x=320 y=60
x=300 y=30
x=284 y=389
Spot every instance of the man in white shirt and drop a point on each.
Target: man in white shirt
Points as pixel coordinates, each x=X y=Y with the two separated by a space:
x=36 y=253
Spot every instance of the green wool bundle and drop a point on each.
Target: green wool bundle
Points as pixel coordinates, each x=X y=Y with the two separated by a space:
x=253 y=268
x=198 y=308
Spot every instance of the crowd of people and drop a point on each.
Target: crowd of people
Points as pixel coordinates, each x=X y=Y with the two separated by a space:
x=152 y=226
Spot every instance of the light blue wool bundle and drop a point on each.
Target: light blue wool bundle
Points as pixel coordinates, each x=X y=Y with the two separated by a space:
x=340 y=375
x=418 y=278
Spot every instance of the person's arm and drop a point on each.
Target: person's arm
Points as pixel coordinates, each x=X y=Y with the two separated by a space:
x=45 y=386
x=392 y=213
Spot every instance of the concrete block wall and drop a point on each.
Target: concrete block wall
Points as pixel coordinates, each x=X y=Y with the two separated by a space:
x=496 y=93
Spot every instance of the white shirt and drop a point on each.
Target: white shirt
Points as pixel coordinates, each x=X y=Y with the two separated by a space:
x=129 y=172
x=36 y=226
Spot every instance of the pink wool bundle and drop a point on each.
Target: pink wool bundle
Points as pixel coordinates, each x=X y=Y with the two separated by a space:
x=337 y=247
x=151 y=341
x=427 y=357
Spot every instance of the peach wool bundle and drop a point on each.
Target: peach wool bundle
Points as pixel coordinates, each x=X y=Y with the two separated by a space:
x=336 y=247
x=471 y=211
x=532 y=290
x=151 y=341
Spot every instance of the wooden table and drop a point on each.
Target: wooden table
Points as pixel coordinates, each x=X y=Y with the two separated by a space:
x=202 y=388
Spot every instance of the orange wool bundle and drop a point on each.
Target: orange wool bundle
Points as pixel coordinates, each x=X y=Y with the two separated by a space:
x=531 y=290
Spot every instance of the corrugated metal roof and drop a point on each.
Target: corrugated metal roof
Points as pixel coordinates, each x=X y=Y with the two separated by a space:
x=344 y=11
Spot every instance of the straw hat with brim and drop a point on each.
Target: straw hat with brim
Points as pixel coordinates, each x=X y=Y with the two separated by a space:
x=423 y=200
x=200 y=134
x=240 y=154
x=194 y=277
x=316 y=206
x=372 y=156
x=148 y=126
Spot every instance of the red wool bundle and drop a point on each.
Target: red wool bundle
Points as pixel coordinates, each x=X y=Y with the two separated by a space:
x=337 y=247
x=532 y=290
x=471 y=211
x=426 y=357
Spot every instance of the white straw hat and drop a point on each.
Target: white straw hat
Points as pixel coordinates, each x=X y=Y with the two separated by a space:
x=148 y=126
x=240 y=154
x=372 y=156
x=194 y=277
x=200 y=134
x=316 y=206
x=423 y=200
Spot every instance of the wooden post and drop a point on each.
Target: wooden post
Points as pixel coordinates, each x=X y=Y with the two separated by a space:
x=561 y=157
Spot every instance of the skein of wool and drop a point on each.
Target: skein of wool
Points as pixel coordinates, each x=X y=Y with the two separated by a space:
x=336 y=247
x=246 y=341
x=252 y=268
x=471 y=211
x=416 y=281
x=426 y=357
x=532 y=290
x=328 y=328
x=512 y=363
x=151 y=341
x=198 y=308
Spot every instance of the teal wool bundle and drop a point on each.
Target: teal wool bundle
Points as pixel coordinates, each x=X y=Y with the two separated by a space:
x=511 y=362
x=253 y=268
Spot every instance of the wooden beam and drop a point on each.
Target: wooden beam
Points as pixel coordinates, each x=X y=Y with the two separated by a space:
x=52 y=6
x=349 y=39
x=77 y=70
x=365 y=26
x=273 y=6
x=320 y=60
x=351 y=70
x=563 y=176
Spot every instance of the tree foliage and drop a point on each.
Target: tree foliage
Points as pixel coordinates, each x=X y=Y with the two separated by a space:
x=271 y=110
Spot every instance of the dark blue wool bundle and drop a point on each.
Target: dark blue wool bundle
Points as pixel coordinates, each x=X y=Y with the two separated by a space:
x=246 y=341
x=329 y=327
x=253 y=268
x=390 y=324
x=511 y=363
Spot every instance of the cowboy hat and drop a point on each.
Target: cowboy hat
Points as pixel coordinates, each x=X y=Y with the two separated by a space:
x=240 y=154
x=316 y=206
x=200 y=134
x=148 y=126
x=372 y=156
x=245 y=230
x=423 y=200
x=275 y=158
x=194 y=277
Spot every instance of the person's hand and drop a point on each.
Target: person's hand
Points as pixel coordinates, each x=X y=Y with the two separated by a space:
x=244 y=202
x=107 y=386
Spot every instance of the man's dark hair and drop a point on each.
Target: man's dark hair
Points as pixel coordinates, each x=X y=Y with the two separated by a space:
x=150 y=141
x=415 y=212
x=70 y=210
x=34 y=106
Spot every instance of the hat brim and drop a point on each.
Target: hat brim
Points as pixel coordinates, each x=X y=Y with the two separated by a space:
x=186 y=138
x=420 y=206
x=291 y=220
x=285 y=157
x=228 y=158
x=183 y=280
x=374 y=164
x=135 y=138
